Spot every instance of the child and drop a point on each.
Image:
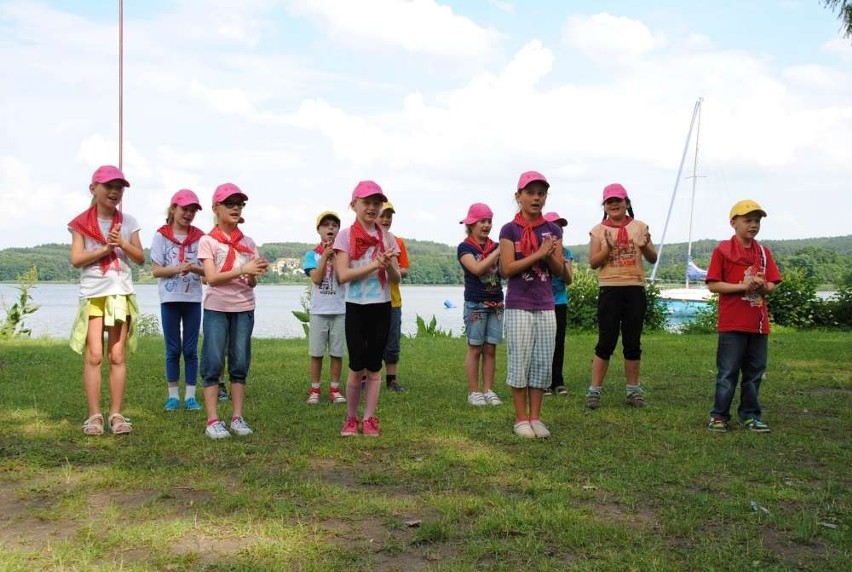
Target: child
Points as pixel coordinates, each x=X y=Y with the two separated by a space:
x=231 y=267
x=742 y=272
x=103 y=240
x=559 y=284
x=530 y=253
x=174 y=261
x=365 y=261
x=328 y=309
x=616 y=249
x=483 y=304
x=391 y=355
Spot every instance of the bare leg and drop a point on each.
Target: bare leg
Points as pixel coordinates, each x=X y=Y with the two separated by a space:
x=316 y=369
x=211 y=398
x=373 y=388
x=238 y=395
x=353 y=392
x=535 y=403
x=599 y=369
x=631 y=371
x=519 y=398
x=117 y=339
x=336 y=367
x=489 y=366
x=471 y=367
x=94 y=355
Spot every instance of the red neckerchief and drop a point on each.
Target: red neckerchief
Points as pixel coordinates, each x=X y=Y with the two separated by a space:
x=320 y=248
x=193 y=234
x=360 y=241
x=529 y=241
x=86 y=223
x=734 y=251
x=233 y=243
x=485 y=249
x=621 y=238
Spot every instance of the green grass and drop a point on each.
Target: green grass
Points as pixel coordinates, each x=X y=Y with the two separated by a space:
x=447 y=486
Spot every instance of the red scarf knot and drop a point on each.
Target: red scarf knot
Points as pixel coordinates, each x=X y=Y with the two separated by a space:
x=483 y=249
x=193 y=235
x=86 y=223
x=360 y=241
x=529 y=241
x=621 y=237
x=234 y=244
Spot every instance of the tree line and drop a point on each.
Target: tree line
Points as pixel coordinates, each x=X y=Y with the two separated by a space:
x=824 y=261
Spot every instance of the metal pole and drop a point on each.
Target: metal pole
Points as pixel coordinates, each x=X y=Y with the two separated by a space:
x=692 y=200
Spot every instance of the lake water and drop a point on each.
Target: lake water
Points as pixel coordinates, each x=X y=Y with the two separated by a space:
x=273 y=316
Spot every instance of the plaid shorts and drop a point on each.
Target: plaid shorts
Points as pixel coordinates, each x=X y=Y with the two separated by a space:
x=530 y=340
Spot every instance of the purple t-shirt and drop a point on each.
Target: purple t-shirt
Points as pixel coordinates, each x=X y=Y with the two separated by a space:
x=485 y=288
x=529 y=290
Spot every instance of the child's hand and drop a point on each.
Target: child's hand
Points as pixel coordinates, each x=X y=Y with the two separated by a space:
x=184 y=268
x=114 y=236
x=547 y=247
x=609 y=240
x=643 y=240
x=255 y=266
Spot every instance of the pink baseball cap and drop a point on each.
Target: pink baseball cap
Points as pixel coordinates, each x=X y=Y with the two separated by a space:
x=530 y=177
x=184 y=198
x=614 y=191
x=476 y=213
x=107 y=173
x=366 y=189
x=554 y=217
x=226 y=190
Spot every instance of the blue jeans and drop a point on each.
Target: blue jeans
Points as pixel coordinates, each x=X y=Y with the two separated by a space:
x=739 y=352
x=223 y=331
x=175 y=314
x=391 y=355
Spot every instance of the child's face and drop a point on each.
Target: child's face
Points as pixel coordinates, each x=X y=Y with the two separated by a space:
x=746 y=226
x=184 y=215
x=108 y=194
x=368 y=209
x=481 y=229
x=230 y=210
x=532 y=198
x=386 y=219
x=615 y=207
x=328 y=230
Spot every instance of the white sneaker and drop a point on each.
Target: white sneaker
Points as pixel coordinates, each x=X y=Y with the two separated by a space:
x=476 y=398
x=524 y=429
x=540 y=430
x=491 y=398
x=240 y=427
x=217 y=431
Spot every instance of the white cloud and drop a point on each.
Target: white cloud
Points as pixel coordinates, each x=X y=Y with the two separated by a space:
x=607 y=38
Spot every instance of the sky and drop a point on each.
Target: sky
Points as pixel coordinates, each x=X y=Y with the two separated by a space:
x=442 y=103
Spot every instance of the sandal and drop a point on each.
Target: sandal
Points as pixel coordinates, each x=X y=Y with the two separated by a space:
x=94 y=425
x=122 y=424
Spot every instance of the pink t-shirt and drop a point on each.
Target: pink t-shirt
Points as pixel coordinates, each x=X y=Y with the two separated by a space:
x=235 y=295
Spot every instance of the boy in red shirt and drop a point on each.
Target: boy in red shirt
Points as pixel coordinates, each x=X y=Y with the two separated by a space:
x=742 y=272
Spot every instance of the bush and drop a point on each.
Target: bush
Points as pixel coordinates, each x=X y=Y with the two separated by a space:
x=13 y=325
x=148 y=325
x=794 y=302
x=431 y=330
x=583 y=300
x=705 y=320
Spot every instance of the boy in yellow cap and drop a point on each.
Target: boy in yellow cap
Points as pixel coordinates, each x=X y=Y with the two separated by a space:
x=742 y=272
x=391 y=355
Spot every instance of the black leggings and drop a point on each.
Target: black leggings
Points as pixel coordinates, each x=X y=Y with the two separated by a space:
x=620 y=308
x=367 y=327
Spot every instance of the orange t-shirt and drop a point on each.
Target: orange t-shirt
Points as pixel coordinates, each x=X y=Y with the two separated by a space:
x=624 y=265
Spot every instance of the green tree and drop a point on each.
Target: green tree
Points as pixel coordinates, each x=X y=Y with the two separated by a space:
x=843 y=9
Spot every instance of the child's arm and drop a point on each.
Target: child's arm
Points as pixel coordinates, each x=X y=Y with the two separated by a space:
x=132 y=248
x=168 y=271
x=346 y=274
x=556 y=259
x=479 y=267
x=318 y=273
x=251 y=269
x=719 y=287
x=599 y=250
x=646 y=247
x=391 y=265
x=81 y=257
x=510 y=267
x=568 y=271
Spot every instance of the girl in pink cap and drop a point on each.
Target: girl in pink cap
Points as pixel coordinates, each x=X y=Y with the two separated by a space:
x=618 y=245
x=103 y=242
x=174 y=261
x=366 y=263
x=483 y=304
x=231 y=265
x=530 y=253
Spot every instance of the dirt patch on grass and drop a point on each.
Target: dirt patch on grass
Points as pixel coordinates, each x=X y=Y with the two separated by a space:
x=636 y=518
x=790 y=553
x=19 y=530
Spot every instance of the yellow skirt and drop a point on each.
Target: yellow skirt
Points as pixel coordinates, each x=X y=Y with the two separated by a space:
x=114 y=309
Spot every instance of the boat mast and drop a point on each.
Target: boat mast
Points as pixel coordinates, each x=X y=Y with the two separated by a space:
x=692 y=200
x=120 y=84
x=674 y=192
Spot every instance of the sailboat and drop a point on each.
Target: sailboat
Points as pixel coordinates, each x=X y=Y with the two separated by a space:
x=694 y=294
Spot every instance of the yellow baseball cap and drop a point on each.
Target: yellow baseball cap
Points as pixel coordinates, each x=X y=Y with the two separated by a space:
x=744 y=207
x=388 y=205
x=327 y=214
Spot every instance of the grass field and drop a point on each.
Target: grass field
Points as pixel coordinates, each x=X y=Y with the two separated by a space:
x=447 y=486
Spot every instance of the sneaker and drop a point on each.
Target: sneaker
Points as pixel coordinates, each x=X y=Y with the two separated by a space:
x=561 y=390
x=217 y=430
x=240 y=427
x=492 y=398
x=190 y=404
x=223 y=393
x=335 y=396
x=635 y=399
x=395 y=386
x=476 y=398
x=314 y=396
x=593 y=400
x=524 y=429
x=547 y=391
x=757 y=425
x=540 y=429
x=717 y=425
x=350 y=427
x=172 y=404
x=370 y=427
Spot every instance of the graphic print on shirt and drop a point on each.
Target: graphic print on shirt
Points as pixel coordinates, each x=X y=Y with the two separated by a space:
x=621 y=255
x=178 y=282
x=538 y=271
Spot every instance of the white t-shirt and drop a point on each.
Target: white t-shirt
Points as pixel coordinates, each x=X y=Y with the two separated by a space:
x=118 y=279
x=234 y=295
x=176 y=288
x=368 y=290
x=327 y=298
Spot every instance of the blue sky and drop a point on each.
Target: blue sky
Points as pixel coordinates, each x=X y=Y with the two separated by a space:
x=442 y=103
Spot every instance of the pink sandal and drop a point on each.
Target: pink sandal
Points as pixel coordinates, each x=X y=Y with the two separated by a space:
x=94 y=425
x=122 y=424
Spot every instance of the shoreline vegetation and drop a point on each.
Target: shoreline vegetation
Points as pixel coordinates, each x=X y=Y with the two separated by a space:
x=447 y=486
